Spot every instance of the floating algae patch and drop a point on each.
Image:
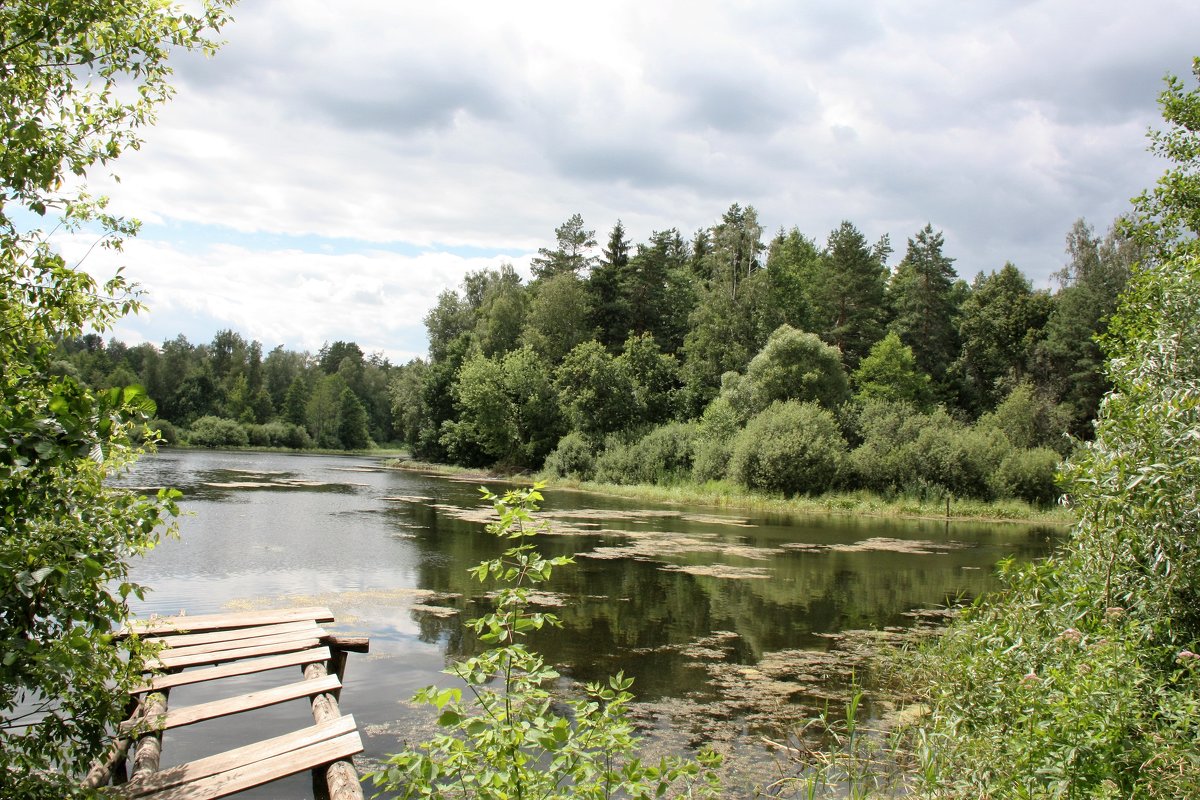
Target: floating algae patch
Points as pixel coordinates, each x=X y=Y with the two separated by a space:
x=661 y=545
x=436 y=611
x=485 y=515
x=290 y=483
x=915 y=546
x=340 y=602
x=480 y=514
x=725 y=571
x=635 y=515
x=544 y=599
x=712 y=519
x=879 y=544
x=717 y=646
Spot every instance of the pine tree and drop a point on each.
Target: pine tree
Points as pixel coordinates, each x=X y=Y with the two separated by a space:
x=570 y=253
x=849 y=309
x=921 y=293
x=609 y=310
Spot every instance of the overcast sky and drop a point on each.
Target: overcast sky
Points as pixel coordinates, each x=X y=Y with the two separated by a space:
x=336 y=165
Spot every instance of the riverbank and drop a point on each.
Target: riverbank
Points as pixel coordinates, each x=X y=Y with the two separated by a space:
x=722 y=494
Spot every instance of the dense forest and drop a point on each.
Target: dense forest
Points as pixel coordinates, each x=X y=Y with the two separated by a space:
x=789 y=367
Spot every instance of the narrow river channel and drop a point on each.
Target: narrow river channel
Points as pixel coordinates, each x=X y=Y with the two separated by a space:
x=729 y=623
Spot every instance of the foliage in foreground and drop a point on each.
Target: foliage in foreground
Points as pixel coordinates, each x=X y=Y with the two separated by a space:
x=1082 y=679
x=76 y=81
x=512 y=738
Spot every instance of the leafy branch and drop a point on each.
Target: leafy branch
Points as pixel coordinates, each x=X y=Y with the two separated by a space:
x=509 y=742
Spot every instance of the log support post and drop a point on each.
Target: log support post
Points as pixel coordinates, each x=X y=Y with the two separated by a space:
x=339 y=780
x=148 y=750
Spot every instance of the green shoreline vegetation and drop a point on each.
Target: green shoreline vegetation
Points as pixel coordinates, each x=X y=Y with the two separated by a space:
x=722 y=494
x=792 y=370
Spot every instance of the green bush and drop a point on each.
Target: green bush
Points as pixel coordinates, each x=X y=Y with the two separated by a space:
x=574 y=457
x=615 y=463
x=278 y=434
x=721 y=421
x=217 y=432
x=662 y=456
x=886 y=460
x=1030 y=419
x=792 y=448
x=1028 y=475
x=710 y=461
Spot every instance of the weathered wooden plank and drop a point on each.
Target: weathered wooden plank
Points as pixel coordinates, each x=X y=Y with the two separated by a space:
x=242 y=667
x=351 y=644
x=225 y=634
x=265 y=771
x=241 y=619
x=311 y=632
x=197 y=659
x=189 y=715
x=242 y=756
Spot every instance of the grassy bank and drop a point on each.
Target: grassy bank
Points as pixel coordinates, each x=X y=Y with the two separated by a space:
x=394 y=453
x=723 y=494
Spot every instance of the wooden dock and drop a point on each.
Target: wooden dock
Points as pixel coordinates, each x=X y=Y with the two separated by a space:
x=209 y=648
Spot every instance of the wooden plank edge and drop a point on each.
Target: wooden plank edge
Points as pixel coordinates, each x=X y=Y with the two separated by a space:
x=172 y=651
x=351 y=644
x=242 y=756
x=234 y=668
x=265 y=771
x=184 y=623
x=190 y=715
x=224 y=634
x=197 y=659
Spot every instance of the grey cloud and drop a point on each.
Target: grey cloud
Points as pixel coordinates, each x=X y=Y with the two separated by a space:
x=406 y=104
x=643 y=166
x=732 y=103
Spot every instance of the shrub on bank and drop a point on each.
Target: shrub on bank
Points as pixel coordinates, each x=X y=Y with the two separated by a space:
x=279 y=434
x=1028 y=475
x=574 y=457
x=662 y=456
x=791 y=448
x=213 y=431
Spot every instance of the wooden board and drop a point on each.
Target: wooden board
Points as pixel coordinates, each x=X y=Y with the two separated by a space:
x=197 y=659
x=189 y=715
x=243 y=667
x=241 y=757
x=225 y=634
x=265 y=771
x=241 y=619
x=239 y=643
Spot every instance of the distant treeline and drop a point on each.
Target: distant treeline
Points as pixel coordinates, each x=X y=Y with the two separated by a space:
x=788 y=367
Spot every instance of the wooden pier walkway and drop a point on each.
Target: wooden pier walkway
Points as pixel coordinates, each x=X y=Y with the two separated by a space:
x=198 y=649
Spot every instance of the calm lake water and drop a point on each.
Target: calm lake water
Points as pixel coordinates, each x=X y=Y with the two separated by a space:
x=728 y=622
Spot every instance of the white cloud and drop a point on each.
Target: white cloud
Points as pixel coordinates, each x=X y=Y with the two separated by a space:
x=291 y=297
x=483 y=125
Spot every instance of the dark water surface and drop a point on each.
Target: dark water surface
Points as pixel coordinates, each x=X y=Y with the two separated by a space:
x=656 y=591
